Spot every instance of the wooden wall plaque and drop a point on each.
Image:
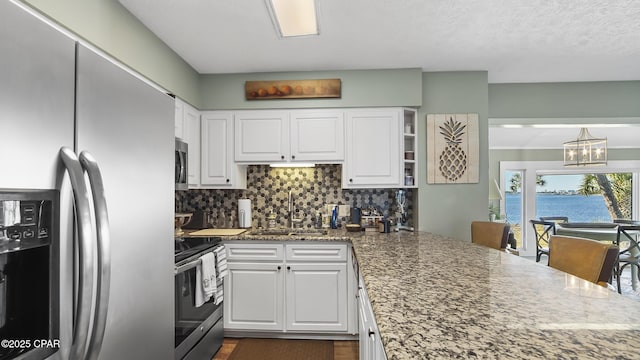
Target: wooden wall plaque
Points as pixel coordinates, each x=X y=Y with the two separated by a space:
x=293 y=89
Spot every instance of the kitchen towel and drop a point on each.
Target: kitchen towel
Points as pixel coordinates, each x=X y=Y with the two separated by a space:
x=206 y=279
x=244 y=213
x=221 y=271
x=221 y=261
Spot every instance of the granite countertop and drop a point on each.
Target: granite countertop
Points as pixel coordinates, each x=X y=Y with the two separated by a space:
x=439 y=298
x=331 y=235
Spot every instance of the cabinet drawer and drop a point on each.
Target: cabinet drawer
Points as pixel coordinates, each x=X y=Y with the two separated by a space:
x=255 y=252
x=316 y=252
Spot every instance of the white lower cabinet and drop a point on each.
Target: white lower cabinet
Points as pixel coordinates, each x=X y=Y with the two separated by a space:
x=371 y=347
x=254 y=296
x=317 y=297
x=268 y=291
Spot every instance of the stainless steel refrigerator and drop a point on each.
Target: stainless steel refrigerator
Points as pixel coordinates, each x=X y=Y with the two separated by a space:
x=56 y=93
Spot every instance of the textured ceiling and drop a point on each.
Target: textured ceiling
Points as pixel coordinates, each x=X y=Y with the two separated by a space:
x=514 y=40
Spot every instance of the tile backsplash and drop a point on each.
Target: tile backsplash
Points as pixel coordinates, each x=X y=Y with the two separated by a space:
x=268 y=189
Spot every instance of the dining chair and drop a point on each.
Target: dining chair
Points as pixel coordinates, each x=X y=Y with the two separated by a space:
x=543 y=231
x=627 y=242
x=491 y=234
x=588 y=259
x=555 y=219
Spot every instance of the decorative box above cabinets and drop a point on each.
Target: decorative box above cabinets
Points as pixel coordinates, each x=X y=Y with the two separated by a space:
x=218 y=167
x=378 y=142
x=268 y=136
x=187 y=127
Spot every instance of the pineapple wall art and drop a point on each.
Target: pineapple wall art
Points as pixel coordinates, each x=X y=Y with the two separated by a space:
x=452 y=148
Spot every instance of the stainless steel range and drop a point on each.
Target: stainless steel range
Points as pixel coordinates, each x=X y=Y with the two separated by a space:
x=198 y=329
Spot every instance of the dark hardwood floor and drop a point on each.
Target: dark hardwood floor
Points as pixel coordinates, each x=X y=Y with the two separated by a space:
x=342 y=350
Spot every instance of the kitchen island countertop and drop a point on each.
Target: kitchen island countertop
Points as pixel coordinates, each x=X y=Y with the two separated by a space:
x=438 y=298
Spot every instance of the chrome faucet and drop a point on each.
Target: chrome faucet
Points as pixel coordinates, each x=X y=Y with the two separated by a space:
x=292 y=220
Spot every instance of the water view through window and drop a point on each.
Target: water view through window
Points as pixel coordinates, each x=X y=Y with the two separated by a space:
x=582 y=198
x=579 y=208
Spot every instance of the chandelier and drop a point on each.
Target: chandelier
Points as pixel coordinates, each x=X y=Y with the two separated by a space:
x=585 y=150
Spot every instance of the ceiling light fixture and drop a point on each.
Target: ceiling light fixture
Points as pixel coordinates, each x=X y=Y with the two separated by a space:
x=294 y=17
x=585 y=150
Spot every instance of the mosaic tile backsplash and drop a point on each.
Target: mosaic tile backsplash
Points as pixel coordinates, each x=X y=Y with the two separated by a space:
x=268 y=189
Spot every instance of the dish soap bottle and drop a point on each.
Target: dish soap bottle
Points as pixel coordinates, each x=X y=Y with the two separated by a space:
x=334 y=218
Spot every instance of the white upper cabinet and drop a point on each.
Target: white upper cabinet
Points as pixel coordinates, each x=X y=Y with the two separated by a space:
x=288 y=136
x=317 y=135
x=191 y=134
x=261 y=136
x=179 y=119
x=218 y=168
x=187 y=127
x=373 y=149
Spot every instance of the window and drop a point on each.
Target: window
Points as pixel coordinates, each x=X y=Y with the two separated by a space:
x=538 y=188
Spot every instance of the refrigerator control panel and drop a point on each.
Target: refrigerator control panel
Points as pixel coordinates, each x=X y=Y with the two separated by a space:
x=26 y=218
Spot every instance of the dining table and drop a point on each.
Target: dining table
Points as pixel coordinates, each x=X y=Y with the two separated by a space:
x=601 y=232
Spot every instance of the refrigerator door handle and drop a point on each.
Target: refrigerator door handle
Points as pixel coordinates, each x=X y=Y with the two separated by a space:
x=90 y=165
x=82 y=316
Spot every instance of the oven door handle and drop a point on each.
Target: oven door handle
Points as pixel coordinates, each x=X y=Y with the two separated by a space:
x=103 y=248
x=188 y=266
x=193 y=263
x=85 y=252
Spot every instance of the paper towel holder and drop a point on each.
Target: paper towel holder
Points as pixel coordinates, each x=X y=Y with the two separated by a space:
x=244 y=213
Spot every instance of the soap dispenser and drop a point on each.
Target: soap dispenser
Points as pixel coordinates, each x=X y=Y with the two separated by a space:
x=271 y=220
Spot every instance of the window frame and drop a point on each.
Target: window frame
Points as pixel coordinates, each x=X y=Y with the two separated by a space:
x=530 y=169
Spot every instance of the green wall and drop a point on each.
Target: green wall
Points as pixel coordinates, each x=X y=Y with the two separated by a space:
x=450 y=209
x=109 y=26
x=360 y=88
x=570 y=100
x=577 y=102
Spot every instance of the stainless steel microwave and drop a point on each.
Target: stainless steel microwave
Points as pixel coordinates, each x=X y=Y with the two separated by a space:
x=182 y=162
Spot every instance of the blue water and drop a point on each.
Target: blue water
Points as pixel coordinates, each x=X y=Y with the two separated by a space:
x=578 y=208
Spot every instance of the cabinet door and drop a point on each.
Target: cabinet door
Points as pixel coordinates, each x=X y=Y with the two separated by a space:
x=191 y=133
x=371 y=347
x=366 y=351
x=179 y=119
x=217 y=139
x=317 y=297
x=331 y=252
x=373 y=149
x=254 y=296
x=261 y=136
x=317 y=135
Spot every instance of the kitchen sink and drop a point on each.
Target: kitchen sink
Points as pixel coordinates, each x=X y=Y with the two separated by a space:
x=289 y=232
